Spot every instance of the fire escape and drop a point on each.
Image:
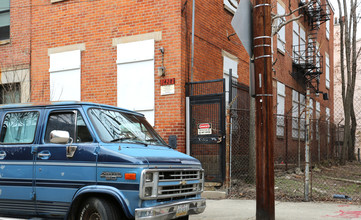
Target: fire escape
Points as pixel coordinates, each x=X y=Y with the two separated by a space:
x=307 y=59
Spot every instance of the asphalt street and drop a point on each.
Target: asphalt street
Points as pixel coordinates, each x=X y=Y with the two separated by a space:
x=246 y=210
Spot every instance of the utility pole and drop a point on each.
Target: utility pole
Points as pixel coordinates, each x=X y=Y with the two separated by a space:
x=264 y=110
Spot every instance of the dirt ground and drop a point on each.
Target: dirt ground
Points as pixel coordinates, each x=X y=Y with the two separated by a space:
x=328 y=181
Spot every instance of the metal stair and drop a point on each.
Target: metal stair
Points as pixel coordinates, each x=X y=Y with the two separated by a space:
x=308 y=62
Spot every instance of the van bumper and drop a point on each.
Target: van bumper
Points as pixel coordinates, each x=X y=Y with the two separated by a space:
x=171 y=210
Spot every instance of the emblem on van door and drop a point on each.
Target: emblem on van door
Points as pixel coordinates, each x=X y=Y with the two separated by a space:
x=110 y=175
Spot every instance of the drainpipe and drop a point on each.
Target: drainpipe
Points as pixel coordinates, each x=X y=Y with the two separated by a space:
x=192 y=57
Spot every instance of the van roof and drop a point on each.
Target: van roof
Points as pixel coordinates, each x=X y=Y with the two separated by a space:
x=62 y=103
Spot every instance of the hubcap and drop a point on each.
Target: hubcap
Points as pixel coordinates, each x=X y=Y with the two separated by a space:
x=95 y=216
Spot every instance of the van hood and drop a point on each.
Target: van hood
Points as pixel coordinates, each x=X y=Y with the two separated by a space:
x=148 y=155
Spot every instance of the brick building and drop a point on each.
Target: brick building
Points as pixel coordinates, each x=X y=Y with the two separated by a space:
x=123 y=52
x=303 y=56
x=104 y=46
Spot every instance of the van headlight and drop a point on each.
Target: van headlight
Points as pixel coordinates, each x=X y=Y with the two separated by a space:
x=148 y=191
x=149 y=177
x=149 y=184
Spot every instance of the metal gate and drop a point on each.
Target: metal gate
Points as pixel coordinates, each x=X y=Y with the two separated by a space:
x=207 y=126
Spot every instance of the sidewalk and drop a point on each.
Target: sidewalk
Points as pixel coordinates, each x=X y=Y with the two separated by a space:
x=246 y=210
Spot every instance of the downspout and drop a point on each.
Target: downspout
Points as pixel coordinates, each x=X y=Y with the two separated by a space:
x=30 y=47
x=192 y=56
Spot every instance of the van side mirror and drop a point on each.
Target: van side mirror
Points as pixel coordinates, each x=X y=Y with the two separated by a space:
x=172 y=141
x=59 y=137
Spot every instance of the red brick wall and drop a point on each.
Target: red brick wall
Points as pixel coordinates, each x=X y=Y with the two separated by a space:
x=16 y=51
x=96 y=23
x=212 y=27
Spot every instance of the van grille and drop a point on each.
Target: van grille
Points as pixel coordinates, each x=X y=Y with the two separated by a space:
x=171 y=184
x=181 y=187
x=178 y=175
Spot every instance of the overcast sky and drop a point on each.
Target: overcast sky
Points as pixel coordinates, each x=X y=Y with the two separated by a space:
x=335 y=6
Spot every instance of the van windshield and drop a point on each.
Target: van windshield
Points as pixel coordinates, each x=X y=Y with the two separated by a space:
x=115 y=126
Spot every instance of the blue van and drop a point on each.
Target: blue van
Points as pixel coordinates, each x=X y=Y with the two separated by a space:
x=76 y=160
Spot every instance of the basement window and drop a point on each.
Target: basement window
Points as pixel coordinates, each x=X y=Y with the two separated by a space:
x=10 y=93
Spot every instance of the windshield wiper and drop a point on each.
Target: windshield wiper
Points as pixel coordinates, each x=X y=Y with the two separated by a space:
x=121 y=139
x=128 y=138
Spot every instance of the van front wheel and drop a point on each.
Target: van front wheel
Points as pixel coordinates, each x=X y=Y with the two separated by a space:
x=98 y=209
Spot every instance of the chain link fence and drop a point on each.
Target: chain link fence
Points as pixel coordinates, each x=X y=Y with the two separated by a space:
x=330 y=181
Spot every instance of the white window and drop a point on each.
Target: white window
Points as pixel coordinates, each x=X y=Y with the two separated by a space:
x=296 y=41
x=65 y=70
x=228 y=64
x=318 y=115
x=229 y=6
x=135 y=77
x=318 y=56
x=281 y=96
x=303 y=45
x=4 y=19
x=328 y=124
x=295 y=113
x=327 y=71
x=281 y=36
x=303 y=116
x=327 y=23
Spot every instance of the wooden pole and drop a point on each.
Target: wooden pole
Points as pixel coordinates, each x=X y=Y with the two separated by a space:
x=264 y=110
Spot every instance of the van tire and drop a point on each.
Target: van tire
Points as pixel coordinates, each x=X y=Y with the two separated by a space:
x=183 y=218
x=98 y=209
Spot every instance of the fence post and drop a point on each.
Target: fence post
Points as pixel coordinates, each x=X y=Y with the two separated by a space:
x=307 y=147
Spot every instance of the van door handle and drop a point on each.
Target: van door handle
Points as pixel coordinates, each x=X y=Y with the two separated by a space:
x=44 y=155
x=2 y=155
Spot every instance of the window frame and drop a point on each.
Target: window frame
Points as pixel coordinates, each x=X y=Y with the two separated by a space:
x=296 y=41
x=327 y=71
x=77 y=112
x=281 y=35
x=14 y=112
x=327 y=23
x=229 y=7
x=6 y=11
x=280 y=124
x=3 y=90
x=295 y=114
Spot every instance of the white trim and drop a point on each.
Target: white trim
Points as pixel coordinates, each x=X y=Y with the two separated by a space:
x=156 y=36
x=67 y=48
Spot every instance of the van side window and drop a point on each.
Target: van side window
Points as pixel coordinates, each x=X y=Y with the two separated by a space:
x=65 y=121
x=19 y=128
